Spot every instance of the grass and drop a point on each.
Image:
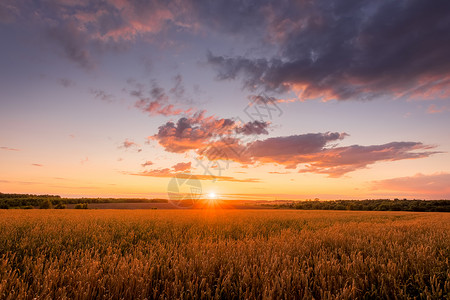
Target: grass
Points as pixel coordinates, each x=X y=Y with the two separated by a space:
x=165 y=254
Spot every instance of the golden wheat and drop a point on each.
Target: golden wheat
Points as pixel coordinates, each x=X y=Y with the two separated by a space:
x=223 y=254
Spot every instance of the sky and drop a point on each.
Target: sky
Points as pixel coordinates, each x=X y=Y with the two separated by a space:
x=253 y=99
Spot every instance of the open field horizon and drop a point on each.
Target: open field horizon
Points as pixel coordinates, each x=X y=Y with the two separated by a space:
x=258 y=254
x=29 y=201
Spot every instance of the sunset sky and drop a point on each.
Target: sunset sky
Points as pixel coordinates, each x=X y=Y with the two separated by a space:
x=258 y=99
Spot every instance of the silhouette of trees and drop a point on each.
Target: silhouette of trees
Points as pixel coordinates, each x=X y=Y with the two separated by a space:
x=373 y=205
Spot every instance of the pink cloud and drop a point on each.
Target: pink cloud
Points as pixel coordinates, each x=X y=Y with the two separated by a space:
x=9 y=149
x=433 y=109
x=127 y=144
x=434 y=184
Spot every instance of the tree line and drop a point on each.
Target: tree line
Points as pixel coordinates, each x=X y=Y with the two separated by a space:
x=28 y=201
x=372 y=205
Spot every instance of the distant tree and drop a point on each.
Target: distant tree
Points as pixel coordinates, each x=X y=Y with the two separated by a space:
x=45 y=204
x=60 y=206
x=81 y=206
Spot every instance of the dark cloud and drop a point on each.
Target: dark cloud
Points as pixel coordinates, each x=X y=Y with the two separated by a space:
x=314 y=153
x=73 y=43
x=37 y=165
x=66 y=82
x=155 y=100
x=8 y=12
x=102 y=95
x=192 y=133
x=200 y=131
x=178 y=89
x=83 y=27
x=224 y=139
x=349 y=50
x=338 y=161
x=252 y=128
x=284 y=148
x=325 y=48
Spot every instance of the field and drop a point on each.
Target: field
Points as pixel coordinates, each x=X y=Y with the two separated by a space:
x=285 y=254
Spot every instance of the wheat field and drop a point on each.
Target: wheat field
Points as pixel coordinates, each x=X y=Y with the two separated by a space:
x=223 y=254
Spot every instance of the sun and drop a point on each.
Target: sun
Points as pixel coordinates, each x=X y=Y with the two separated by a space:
x=212 y=200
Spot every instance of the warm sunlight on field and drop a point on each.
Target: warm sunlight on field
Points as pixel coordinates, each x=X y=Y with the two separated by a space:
x=223 y=254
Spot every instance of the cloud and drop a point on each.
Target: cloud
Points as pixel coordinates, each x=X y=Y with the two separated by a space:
x=252 y=128
x=178 y=89
x=127 y=144
x=325 y=48
x=84 y=160
x=182 y=166
x=83 y=27
x=66 y=82
x=433 y=184
x=314 y=152
x=166 y=172
x=9 y=149
x=224 y=139
x=156 y=101
x=433 y=109
x=37 y=165
x=338 y=161
x=200 y=131
x=102 y=95
x=283 y=148
x=73 y=43
x=147 y=163
x=348 y=50
x=8 y=12
x=183 y=169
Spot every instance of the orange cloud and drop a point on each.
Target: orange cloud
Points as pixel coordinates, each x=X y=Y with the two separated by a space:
x=166 y=172
x=147 y=163
x=182 y=166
